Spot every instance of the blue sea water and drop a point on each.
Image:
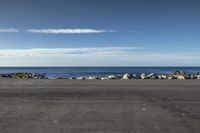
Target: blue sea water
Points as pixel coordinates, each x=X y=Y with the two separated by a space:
x=55 y=72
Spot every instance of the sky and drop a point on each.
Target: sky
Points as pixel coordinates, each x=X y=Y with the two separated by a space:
x=99 y=32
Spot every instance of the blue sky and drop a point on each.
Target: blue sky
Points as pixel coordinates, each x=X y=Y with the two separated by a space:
x=110 y=32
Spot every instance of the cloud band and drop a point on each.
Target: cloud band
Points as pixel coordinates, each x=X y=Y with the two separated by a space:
x=10 y=30
x=99 y=56
x=57 y=31
x=67 y=31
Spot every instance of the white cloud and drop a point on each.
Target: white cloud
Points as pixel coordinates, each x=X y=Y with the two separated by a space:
x=57 y=31
x=68 y=31
x=10 y=30
x=100 y=56
x=39 y=52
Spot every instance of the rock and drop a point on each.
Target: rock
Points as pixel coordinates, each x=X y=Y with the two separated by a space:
x=176 y=75
x=152 y=76
x=160 y=77
x=119 y=76
x=135 y=76
x=143 y=76
x=181 y=77
x=198 y=76
x=104 y=78
x=30 y=75
x=80 y=78
x=127 y=76
x=193 y=76
x=170 y=77
x=98 y=77
x=61 y=78
x=6 y=75
x=179 y=73
x=188 y=76
x=163 y=76
x=25 y=75
x=112 y=77
x=92 y=78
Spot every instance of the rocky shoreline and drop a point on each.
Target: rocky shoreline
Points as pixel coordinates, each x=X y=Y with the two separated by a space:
x=24 y=75
x=180 y=75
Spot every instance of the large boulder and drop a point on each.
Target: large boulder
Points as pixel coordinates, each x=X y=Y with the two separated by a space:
x=163 y=76
x=72 y=78
x=188 y=76
x=112 y=77
x=143 y=76
x=195 y=76
x=92 y=77
x=80 y=78
x=119 y=76
x=181 y=77
x=127 y=76
x=198 y=76
x=104 y=78
x=152 y=76
x=6 y=75
x=170 y=77
x=135 y=76
x=179 y=73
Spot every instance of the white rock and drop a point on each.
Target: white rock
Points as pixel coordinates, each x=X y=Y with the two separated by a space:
x=143 y=76
x=80 y=78
x=198 y=76
x=164 y=76
x=181 y=77
x=92 y=77
x=111 y=77
x=104 y=78
x=126 y=76
x=170 y=77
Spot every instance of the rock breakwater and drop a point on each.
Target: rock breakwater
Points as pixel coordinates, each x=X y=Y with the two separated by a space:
x=179 y=75
x=24 y=75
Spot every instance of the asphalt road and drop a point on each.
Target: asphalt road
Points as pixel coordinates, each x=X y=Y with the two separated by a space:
x=80 y=106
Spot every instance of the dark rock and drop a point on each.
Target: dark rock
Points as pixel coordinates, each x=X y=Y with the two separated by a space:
x=135 y=76
x=24 y=75
x=179 y=73
x=152 y=76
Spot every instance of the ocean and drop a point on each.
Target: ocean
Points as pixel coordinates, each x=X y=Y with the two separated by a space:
x=56 y=72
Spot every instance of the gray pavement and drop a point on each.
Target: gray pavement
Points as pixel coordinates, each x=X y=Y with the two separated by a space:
x=90 y=106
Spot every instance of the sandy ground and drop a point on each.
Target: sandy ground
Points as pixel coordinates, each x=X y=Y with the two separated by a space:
x=80 y=106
